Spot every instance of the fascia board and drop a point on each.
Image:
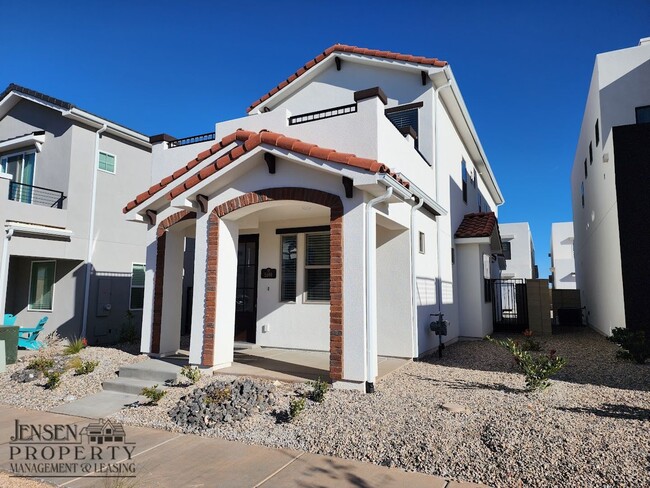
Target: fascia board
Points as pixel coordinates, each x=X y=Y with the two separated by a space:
x=472 y=240
x=23 y=141
x=115 y=129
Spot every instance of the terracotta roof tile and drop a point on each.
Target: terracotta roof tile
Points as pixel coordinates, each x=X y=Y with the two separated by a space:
x=477 y=225
x=250 y=141
x=347 y=49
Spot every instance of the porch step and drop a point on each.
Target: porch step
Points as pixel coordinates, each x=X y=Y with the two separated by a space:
x=154 y=370
x=131 y=386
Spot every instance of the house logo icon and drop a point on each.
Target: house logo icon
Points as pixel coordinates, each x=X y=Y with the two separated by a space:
x=104 y=432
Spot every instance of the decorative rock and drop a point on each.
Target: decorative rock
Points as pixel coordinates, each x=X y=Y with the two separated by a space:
x=455 y=408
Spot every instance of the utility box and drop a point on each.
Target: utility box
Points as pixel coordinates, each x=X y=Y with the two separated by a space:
x=9 y=334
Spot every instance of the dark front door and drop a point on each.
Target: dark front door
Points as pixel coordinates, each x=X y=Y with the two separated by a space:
x=246 y=297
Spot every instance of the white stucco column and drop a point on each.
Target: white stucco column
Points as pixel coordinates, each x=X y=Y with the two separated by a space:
x=170 y=326
x=224 y=334
x=149 y=285
x=198 y=297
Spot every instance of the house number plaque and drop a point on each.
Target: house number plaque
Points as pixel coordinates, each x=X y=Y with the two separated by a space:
x=269 y=273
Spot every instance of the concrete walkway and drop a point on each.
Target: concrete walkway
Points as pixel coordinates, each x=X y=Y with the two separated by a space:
x=162 y=459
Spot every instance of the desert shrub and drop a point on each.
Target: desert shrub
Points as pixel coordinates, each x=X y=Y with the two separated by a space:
x=53 y=379
x=75 y=346
x=192 y=373
x=536 y=369
x=41 y=364
x=86 y=367
x=219 y=395
x=634 y=344
x=153 y=393
x=529 y=343
x=319 y=388
x=74 y=363
x=296 y=406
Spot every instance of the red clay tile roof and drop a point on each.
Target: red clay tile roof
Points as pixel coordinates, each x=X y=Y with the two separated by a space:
x=477 y=225
x=348 y=49
x=250 y=141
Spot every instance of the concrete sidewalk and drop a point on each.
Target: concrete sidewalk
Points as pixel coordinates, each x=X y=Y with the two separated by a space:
x=162 y=458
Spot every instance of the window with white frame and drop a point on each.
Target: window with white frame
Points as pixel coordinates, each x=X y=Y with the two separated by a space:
x=422 y=242
x=136 y=300
x=317 y=267
x=289 y=267
x=21 y=167
x=41 y=285
x=106 y=162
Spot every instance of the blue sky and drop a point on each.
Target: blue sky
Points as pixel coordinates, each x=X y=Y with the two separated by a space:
x=178 y=67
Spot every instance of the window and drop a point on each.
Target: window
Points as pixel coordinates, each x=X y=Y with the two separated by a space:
x=453 y=256
x=464 y=173
x=137 y=287
x=507 y=253
x=41 y=285
x=106 y=162
x=317 y=267
x=289 y=255
x=582 y=194
x=643 y=115
x=586 y=174
x=21 y=167
x=403 y=117
x=591 y=153
x=422 y=242
x=597 y=132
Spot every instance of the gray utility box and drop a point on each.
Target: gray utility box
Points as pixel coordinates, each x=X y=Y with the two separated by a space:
x=9 y=334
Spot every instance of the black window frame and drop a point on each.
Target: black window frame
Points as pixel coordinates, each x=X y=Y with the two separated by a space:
x=597 y=133
x=507 y=250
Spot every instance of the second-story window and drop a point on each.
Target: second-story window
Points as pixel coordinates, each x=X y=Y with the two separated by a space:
x=507 y=251
x=21 y=167
x=107 y=162
x=464 y=173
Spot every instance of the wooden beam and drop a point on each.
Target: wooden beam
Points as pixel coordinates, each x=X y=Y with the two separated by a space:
x=151 y=216
x=349 y=188
x=202 y=200
x=337 y=60
x=425 y=76
x=270 y=162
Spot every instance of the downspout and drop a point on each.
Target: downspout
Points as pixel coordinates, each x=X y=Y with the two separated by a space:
x=414 y=283
x=91 y=233
x=371 y=290
x=3 y=269
x=436 y=98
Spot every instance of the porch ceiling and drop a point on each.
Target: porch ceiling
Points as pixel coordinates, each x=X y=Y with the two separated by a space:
x=278 y=211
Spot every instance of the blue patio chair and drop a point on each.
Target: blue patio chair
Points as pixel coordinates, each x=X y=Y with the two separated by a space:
x=9 y=319
x=27 y=336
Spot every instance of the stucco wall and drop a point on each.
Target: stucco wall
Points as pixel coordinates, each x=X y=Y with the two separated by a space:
x=520 y=264
x=562 y=261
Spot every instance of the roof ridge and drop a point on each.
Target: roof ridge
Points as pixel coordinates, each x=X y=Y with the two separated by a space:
x=344 y=48
x=250 y=141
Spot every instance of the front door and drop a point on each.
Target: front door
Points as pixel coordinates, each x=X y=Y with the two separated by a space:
x=246 y=297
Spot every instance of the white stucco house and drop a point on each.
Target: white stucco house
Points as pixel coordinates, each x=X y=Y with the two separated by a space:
x=609 y=185
x=563 y=268
x=66 y=251
x=351 y=203
x=518 y=251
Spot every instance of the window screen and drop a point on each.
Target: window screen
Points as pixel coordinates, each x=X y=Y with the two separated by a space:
x=317 y=267
x=289 y=255
x=41 y=285
x=137 y=287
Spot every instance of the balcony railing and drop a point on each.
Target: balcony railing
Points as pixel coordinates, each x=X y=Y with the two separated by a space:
x=36 y=195
x=323 y=114
x=186 y=141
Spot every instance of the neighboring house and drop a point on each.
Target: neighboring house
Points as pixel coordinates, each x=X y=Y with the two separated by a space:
x=352 y=203
x=518 y=251
x=67 y=252
x=563 y=267
x=609 y=186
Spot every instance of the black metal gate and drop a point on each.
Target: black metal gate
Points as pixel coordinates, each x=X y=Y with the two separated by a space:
x=509 y=305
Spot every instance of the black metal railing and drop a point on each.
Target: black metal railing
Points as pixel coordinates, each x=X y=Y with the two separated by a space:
x=323 y=114
x=36 y=195
x=186 y=141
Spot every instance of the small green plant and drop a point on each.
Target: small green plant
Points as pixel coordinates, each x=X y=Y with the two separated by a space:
x=192 y=373
x=86 y=367
x=53 y=379
x=41 y=364
x=529 y=343
x=153 y=393
x=219 y=395
x=296 y=406
x=537 y=369
x=320 y=387
x=634 y=344
x=75 y=346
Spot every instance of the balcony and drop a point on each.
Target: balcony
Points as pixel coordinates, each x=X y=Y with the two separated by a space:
x=36 y=195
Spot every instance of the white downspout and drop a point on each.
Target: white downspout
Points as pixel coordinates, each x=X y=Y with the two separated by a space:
x=91 y=234
x=436 y=98
x=414 y=283
x=3 y=269
x=371 y=290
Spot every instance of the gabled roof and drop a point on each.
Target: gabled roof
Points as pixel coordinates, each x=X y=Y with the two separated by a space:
x=477 y=225
x=250 y=141
x=343 y=48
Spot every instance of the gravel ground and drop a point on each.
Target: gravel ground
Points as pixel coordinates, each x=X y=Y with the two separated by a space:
x=590 y=428
x=8 y=481
x=33 y=395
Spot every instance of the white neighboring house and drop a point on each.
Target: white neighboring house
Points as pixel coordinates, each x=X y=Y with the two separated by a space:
x=563 y=267
x=353 y=202
x=609 y=186
x=518 y=251
x=67 y=252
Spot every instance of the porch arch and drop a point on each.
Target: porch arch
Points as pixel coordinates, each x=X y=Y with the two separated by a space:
x=336 y=264
x=159 y=274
